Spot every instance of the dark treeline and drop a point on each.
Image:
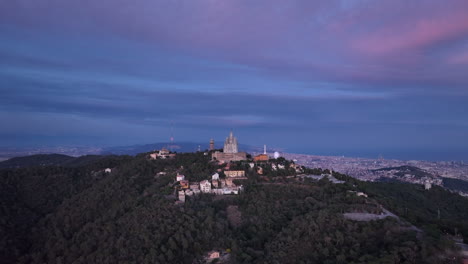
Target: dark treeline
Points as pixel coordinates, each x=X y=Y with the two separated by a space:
x=84 y=215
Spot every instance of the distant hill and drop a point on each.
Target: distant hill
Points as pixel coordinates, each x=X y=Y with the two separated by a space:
x=176 y=147
x=70 y=161
x=402 y=170
x=389 y=180
x=36 y=160
x=50 y=160
x=455 y=184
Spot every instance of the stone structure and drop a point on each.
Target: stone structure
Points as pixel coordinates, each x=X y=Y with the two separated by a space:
x=212 y=144
x=230 y=145
x=234 y=173
x=230 y=151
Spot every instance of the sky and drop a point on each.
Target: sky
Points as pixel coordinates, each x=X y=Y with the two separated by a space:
x=326 y=77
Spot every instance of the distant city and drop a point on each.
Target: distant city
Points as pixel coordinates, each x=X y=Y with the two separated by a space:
x=371 y=169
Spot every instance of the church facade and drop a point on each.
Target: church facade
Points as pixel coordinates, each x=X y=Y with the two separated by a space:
x=230 y=151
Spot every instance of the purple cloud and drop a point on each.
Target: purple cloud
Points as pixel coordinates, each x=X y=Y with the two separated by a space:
x=334 y=63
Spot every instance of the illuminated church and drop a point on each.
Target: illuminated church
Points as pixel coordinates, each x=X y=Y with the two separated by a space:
x=230 y=151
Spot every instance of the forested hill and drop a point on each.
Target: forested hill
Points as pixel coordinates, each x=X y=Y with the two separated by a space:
x=455 y=184
x=80 y=214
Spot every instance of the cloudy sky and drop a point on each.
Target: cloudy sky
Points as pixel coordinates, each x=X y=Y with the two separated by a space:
x=349 y=77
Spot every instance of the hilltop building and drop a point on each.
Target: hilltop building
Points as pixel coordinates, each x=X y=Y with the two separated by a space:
x=230 y=151
x=162 y=154
x=211 y=144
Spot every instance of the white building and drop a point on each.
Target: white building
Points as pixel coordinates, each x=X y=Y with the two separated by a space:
x=215 y=176
x=427 y=185
x=205 y=186
x=180 y=177
x=276 y=155
x=182 y=196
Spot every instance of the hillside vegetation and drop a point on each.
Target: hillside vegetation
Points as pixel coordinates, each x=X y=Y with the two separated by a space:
x=83 y=215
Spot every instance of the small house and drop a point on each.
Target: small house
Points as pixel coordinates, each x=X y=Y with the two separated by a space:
x=180 y=177
x=205 y=186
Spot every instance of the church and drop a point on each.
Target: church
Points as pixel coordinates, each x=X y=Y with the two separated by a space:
x=230 y=151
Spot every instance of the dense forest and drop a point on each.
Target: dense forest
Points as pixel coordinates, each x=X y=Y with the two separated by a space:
x=81 y=214
x=455 y=184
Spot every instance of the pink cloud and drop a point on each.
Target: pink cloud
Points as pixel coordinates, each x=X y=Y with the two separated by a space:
x=362 y=41
x=413 y=36
x=458 y=58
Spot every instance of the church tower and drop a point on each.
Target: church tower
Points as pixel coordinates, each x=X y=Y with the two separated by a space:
x=212 y=144
x=230 y=151
x=230 y=145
